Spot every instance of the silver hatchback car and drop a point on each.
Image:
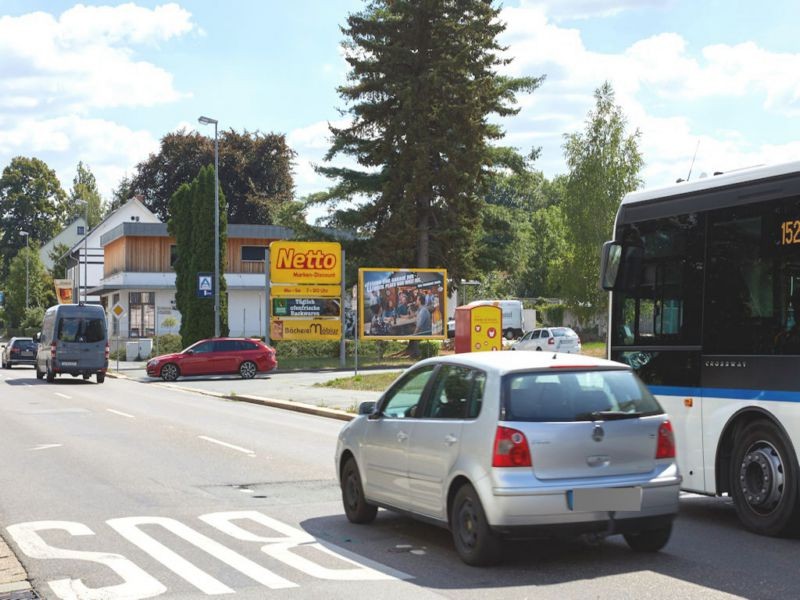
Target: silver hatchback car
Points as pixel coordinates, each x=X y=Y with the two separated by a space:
x=501 y=444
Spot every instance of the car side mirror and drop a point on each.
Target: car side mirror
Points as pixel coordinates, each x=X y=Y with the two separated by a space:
x=367 y=408
x=189 y=352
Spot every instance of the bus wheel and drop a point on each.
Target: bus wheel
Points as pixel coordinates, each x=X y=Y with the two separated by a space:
x=764 y=480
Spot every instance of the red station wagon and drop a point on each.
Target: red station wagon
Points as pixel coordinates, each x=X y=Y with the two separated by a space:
x=218 y=356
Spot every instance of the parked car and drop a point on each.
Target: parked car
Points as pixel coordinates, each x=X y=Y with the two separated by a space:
x=73 y=341
x=218 y=356
x=494 y=445
x=19 y=351
x=550 y=339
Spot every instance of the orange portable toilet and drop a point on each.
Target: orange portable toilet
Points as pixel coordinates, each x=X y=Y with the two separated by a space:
x=479 y=328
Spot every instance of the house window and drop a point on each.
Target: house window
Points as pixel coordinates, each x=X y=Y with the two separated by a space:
x=253 y=253
x=141 y=314
x=81 y=229
x=173 y=255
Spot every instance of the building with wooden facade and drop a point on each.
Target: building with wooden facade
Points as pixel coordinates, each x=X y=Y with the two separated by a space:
x=138 y=274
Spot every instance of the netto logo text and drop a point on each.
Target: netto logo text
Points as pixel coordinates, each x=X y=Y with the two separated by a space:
x=288 y=258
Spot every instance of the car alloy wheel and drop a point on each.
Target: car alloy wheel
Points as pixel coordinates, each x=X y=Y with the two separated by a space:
x=169 y=372
x=247 y=370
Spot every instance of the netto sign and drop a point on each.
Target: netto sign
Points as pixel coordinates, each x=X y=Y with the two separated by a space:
x=305 y=262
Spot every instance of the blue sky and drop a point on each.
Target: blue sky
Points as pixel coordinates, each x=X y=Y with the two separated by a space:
x=103 y=82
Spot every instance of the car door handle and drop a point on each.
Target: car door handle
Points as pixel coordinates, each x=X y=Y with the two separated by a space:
x=402 y=436
x=450 y=440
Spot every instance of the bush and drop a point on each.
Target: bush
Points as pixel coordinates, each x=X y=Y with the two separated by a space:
x=428 y=348
x=166 y=344
x=330 y=349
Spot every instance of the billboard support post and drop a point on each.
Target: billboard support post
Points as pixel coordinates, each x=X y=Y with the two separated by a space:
x=355 y=333
x=343 y=343
x=267 y=314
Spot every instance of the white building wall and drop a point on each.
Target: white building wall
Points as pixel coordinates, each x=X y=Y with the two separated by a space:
x=246 y=313
x=69 y=236
x=132 y=211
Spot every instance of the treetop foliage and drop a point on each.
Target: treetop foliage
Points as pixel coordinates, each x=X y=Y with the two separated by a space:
x=255 y=172
x=421 y=88
x=32 y=200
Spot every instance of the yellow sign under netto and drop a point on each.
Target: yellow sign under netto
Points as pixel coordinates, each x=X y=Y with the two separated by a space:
x=305 y=329
x=305 y=262
x=305 y=291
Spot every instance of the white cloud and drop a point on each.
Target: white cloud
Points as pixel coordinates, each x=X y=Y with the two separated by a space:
x=657 y=81
x=585 y=9
x=84 y=59
x=63 y=141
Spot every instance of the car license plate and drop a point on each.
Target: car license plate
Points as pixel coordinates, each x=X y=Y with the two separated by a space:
x=27 y=354
x=605 y=499
x=69 y=363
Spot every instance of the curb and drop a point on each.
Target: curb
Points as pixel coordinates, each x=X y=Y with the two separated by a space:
x=331 y=413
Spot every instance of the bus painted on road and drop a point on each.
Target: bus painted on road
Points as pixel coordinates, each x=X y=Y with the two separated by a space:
x=705 y=305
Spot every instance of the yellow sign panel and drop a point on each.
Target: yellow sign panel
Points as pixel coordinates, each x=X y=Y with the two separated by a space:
x=305 y=291
x=305 y=329
x=305 y=262
x=486 y=328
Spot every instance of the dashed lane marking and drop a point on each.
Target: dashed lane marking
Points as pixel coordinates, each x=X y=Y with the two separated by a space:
x=120 y=413
x=63 y=395
x=46 y=446
x=227 y=445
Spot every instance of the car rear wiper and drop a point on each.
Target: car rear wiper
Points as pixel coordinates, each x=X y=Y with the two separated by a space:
x=607 y=415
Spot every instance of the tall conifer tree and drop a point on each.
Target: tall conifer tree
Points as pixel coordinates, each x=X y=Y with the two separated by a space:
x=422 y=88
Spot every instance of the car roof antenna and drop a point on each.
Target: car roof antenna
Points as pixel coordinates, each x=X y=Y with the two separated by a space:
x=555 y=355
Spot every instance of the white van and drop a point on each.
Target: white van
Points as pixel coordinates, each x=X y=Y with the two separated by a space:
x=512 y=316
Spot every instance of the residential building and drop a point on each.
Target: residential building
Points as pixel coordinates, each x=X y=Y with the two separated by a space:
x=138 y=274
x=69 y=236
x=86 y=254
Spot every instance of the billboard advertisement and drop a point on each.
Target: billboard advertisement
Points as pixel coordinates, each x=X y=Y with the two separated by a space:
x=402 y=303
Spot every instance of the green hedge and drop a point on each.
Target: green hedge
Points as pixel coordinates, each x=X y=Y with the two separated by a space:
x=369 y=348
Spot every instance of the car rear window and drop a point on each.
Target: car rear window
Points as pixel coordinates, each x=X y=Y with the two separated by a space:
x=81 y=329
x=542 y=396
x=25 y=345
x=563 y=332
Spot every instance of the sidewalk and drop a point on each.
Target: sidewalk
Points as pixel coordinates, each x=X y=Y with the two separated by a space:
x=13 y=578
x=288 y=390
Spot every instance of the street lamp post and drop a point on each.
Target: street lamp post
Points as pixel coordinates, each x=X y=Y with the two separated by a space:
x=27 y=258
x=208 y=121
x=85 y=247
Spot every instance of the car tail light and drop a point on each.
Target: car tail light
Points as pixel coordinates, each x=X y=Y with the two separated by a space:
x=510 y=448
x=53 y=350
x=551 y=341
x=15 y=350
x=666 y=441
x=106 y=350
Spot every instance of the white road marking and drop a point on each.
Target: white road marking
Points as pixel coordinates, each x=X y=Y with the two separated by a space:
x=46 y=446
x=227 y=445
x=281 y=548
x=120 y=413
x=137 y=582
x=63 y=395
x=129 y=528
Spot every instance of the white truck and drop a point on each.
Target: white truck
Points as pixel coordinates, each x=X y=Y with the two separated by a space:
x=513 y=320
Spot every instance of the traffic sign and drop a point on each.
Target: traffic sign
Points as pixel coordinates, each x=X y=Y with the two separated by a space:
x=205 y=285
x=118 y=311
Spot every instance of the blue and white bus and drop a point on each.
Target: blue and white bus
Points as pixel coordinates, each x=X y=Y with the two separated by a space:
x=705 y=305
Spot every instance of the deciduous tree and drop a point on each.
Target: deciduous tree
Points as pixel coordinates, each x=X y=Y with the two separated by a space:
x=39 y=285
x=255 y=171
x=32 y=200
x=84 y=187
x=604 y=164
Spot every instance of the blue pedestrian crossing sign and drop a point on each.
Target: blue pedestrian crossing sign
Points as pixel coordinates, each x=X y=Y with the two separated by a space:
x=205 y=285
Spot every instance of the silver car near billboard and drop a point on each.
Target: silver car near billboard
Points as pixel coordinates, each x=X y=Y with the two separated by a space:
x=501 y=444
